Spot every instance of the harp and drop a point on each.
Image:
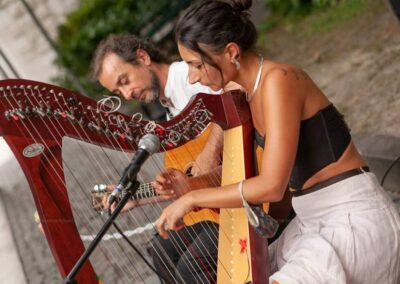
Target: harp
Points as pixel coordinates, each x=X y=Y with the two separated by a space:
x=35 y=118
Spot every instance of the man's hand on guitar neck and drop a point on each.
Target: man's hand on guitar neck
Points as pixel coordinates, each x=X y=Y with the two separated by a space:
x=101 y=194
x=129 y=205
x=173 y=183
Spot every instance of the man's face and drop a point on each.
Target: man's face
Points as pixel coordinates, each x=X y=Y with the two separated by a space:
x=129 y=81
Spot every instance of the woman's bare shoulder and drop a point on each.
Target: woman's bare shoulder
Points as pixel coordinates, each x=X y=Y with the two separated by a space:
x=278 y=70
x=285 y=83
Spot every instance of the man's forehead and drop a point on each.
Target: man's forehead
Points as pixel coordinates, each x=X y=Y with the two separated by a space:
x=112 y=62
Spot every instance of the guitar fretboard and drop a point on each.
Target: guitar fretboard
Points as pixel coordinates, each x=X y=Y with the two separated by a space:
x=146 y=190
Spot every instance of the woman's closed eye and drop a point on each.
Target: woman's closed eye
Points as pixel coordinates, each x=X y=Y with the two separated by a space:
x=195 y=65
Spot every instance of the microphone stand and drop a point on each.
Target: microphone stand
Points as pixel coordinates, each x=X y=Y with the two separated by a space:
x=130 y=191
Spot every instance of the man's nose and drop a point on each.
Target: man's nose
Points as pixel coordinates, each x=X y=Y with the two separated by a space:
x=125 y=93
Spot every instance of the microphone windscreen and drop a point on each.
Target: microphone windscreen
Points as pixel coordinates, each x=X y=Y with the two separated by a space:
x=150 y=143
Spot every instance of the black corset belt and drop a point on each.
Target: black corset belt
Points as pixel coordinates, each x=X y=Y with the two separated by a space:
x=330 y=181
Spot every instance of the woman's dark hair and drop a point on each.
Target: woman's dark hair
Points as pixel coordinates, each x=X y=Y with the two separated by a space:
x=216 y=23
x=125 y=46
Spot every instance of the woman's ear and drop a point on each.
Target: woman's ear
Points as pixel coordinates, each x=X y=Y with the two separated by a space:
x=232 y=51
x=143 y=57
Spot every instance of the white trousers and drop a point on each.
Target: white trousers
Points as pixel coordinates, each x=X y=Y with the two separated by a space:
x=348 y=232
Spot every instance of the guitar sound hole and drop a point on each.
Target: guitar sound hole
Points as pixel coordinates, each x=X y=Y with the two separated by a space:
x=188 y=171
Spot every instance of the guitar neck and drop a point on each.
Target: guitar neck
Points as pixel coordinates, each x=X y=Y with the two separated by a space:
x=146 y=190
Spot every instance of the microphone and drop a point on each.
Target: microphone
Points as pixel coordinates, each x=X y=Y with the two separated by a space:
x=148 y=145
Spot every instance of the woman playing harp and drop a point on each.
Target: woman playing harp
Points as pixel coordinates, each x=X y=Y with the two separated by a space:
x=341 y=209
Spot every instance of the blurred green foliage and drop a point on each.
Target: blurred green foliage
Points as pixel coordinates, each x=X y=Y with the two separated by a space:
x=344 y=11
x=296 y=7
x=292 y=10
x=94 y=20
x=314 y=17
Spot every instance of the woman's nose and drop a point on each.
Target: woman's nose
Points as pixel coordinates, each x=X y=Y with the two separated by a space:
x=193 y=77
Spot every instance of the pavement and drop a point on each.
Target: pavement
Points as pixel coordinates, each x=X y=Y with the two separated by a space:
x=11 y=267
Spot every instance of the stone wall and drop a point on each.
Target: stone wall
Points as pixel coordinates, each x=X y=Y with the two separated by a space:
x=22 y=41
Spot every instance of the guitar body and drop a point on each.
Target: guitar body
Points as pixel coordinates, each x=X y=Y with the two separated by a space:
x=182 y=158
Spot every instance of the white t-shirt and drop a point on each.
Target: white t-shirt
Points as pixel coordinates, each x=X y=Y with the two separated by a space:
x=178 y=89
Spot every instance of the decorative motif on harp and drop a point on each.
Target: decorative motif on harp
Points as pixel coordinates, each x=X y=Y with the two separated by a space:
x=36 y=102
x=36 y=118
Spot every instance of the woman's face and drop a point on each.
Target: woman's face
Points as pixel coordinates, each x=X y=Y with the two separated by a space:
x=203 y=72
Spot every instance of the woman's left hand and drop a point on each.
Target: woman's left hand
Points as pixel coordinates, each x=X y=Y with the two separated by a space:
x=171 y=217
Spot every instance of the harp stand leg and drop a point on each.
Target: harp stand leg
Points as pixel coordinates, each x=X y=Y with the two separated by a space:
x=78 y=265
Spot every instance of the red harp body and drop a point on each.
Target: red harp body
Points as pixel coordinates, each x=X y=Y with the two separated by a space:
x=35 y=118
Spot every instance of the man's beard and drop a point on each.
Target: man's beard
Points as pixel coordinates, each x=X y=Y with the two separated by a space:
x=154 y=88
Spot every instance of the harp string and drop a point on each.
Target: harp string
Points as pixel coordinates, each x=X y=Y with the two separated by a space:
x=177 y=245
x=88 y=136
x=204 y=247
x=124 y=162
x=116 y=246
x=31 y=126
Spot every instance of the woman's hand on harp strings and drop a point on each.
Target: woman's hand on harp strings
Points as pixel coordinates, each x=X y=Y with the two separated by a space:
x=171 y=217
x=171 y=183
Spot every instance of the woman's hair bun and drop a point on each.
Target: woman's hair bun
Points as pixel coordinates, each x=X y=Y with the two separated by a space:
x=241 y=5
